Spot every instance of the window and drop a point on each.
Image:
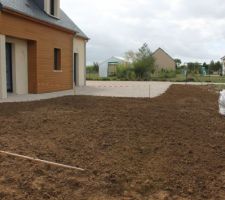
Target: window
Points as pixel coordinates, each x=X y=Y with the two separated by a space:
x=52 y=7
x=57 y=59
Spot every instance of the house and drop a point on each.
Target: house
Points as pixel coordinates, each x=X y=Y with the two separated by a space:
x=108 y=67
x=163 y=60
x=41 y=49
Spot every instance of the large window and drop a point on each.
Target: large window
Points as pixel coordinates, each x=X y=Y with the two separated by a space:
x=57 y=59
x=52 y=7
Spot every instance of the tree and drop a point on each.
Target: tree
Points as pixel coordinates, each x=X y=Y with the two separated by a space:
x=96 y=67
x=211 y=67
x=130 y=56
x=218 y=67
x=178 y=62
x=206 y=66
x=194 y=67
x=144 y=62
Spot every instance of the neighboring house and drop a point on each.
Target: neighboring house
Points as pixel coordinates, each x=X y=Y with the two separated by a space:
x=109 y=66
x=41 y=49
x=163 y=60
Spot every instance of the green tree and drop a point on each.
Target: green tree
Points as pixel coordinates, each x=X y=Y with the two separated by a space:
x=194 y=67
x=144 y=63
x=96 y=67
x=211 y=67
x=218 y=67
x=178 y=62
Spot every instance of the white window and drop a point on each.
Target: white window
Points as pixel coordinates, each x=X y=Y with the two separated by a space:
x=52 y=7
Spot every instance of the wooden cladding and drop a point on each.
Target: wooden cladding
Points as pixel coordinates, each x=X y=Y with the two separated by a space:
x=42 y=40
x=32 y=66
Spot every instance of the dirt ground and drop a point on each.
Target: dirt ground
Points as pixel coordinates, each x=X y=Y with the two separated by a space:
x=170 y=147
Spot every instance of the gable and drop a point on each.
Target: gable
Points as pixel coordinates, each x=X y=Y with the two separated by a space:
x=161 y=53
x=163 y=60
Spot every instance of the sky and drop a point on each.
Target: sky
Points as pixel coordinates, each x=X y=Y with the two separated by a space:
x=186 y=29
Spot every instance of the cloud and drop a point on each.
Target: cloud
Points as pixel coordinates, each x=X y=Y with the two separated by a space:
x=190 y=30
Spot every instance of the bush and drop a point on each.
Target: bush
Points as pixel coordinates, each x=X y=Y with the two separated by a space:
x=167 y=73
x=125 y=73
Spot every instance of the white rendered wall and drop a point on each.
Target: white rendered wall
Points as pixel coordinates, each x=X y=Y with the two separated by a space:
x=19 y=65
x=3 y=85
x=79 y=47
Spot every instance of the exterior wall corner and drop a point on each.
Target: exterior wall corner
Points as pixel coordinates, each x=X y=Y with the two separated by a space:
x=3 y=85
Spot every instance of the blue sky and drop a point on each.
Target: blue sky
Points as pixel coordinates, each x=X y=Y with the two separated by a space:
x=189 y=30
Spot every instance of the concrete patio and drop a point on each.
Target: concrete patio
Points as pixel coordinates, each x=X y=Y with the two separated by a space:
x=131 y=89
x=123 y=89
x=35 y=97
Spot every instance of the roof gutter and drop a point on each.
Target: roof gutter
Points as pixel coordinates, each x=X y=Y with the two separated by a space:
x=81 y=37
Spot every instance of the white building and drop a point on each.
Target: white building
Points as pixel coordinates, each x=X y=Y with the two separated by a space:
x=108 y=67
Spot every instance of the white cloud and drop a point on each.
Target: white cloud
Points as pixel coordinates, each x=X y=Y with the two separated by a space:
x=191 y=30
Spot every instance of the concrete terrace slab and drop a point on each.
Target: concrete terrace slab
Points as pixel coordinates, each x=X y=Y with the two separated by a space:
x=123 y=89
x=36 y=97
x=104 y=88
x=137 y=89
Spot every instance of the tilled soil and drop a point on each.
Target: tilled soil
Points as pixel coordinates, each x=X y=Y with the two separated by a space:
x=170 y=147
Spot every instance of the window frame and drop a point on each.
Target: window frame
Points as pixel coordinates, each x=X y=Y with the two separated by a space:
x=57 y=59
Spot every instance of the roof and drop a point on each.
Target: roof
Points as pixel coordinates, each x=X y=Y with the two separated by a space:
x=117 y=58
x=160 y=49
x=31 y=9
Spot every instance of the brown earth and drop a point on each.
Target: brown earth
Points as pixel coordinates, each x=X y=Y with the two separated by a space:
x=170 y=147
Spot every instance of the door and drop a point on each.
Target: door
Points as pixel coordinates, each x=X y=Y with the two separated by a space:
x=9 y=67
x=112 y=69
x=75 y=68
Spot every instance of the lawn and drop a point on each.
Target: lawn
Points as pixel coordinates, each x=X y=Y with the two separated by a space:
x=177 y=78
x=169 y=147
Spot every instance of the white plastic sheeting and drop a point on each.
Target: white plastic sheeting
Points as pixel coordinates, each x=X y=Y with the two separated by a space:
x=222 y=103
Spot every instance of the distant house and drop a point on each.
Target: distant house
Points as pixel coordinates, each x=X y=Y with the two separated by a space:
x=109 y=66
x=163 y=60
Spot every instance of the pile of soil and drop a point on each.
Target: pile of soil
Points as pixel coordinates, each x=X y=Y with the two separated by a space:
x=170 y=147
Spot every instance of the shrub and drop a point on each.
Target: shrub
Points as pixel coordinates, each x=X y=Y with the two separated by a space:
x=125 y=72
x=167 y=73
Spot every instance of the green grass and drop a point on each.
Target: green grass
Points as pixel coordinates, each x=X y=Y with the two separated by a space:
x=177 y=78
x=192 y=78
x=95 y=77
x=219 y=87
